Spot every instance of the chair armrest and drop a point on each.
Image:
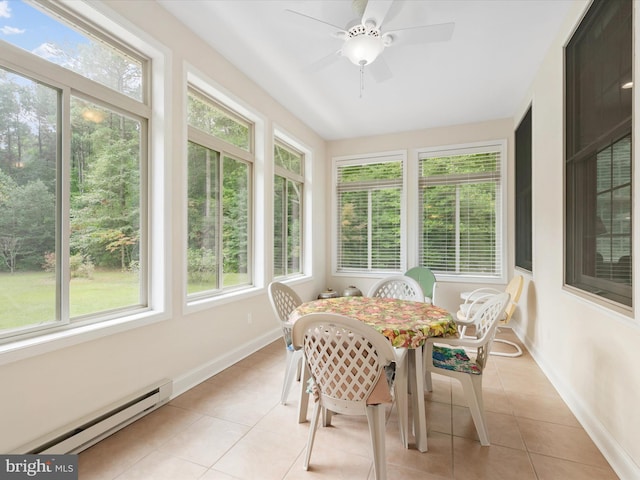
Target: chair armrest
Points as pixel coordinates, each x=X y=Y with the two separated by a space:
x=465 y=314
x=480 y=293
x=456 y=342
x=462 y=319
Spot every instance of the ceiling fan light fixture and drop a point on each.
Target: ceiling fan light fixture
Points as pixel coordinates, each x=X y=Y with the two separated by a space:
x=362 y=49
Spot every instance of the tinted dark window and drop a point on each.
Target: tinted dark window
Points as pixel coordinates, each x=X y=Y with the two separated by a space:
x=598 y=152
x=523 y=194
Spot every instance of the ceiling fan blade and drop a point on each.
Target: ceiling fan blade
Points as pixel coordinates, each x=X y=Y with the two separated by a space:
x=318 y=22
x=376 y=11
x=379 y=70
x=323 y=62
x=440 y=32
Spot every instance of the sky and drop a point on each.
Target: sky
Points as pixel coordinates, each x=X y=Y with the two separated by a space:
x=28 y=28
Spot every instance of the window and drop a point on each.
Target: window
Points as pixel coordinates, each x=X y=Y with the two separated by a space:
x=73 y=163
x=219 y=197
x=524 y=254
x=460 y=194
x=74 y=45
x=598 y=123
x=369 y=212
x=287 y=210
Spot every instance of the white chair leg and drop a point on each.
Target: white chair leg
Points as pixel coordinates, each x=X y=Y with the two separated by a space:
x=375 y=418
x=472 y=386
x=293 y=364
x=299 y=369
x=326 y=417
x=401 y=393
x=416 y=387
x=427 y=359
x=315 y=416
x=428 y=383
x=303 y=405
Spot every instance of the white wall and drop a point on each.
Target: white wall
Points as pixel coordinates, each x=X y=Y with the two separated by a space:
x=42 y=393
x=448 y=293
x=588 y=352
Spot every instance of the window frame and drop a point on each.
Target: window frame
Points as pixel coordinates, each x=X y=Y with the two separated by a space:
x=71 y=84
x=153 y=284
x=501 y=244
x=580 y=154
x=523 y=192
x=259 y=258
x=289 y=175
x=365 y=159
x=205 y=90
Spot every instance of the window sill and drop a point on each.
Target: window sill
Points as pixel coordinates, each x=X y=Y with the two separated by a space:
x=74 y=335
x=611 y=309
x=203 y=303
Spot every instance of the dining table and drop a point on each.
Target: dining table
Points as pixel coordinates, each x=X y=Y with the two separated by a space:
x=407 y=325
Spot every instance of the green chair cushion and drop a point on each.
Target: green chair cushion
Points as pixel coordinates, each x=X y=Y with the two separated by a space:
x=455 y=359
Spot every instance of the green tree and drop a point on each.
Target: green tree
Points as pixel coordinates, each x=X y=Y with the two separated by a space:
x=105 y=218
x=27 y=226
x=235 y=208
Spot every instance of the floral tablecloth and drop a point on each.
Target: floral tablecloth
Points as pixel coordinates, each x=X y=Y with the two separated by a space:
x=405 y=323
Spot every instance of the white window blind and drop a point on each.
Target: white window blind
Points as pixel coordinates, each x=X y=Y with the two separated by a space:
x=369 y=203
x=460 y=211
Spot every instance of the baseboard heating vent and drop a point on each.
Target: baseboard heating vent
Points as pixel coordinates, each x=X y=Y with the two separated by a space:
x=93 y=428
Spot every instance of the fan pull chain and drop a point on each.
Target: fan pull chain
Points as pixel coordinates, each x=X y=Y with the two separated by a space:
x=361 y=79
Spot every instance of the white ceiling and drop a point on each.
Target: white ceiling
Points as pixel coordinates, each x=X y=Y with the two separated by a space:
x=482 y=73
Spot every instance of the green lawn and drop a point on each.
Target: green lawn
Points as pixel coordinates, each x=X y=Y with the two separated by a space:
x=29 y=298
x=230 y=279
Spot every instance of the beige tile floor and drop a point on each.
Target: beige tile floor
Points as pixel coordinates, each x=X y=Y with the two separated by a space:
x=232 y=426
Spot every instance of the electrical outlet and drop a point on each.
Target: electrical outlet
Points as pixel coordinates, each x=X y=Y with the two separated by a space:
x=249 y=318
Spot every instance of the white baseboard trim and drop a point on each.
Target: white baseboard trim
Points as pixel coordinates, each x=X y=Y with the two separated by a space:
x=199 y=374
x=621 y=462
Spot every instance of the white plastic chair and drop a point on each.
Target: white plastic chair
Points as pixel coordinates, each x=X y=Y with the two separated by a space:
x=284 y=300
x=402 y=287
x=397 y=286
x=464 y=316
x=427 y=280
x=456 y=363
x=346 y=360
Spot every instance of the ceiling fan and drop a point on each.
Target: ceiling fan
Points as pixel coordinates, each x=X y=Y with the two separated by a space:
x=364 y=39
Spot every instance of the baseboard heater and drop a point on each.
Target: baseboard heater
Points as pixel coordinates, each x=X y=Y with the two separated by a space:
x=91 y=429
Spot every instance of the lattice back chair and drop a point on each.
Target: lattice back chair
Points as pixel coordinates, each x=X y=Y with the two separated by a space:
x=464 y=316
x=397 y=286
x=346 y=360
x=448 y=356
x=427 y=280
x=283 y=301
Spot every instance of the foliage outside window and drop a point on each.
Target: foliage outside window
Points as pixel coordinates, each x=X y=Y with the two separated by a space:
x=599 y=193
x=524 y=233
x=71 y=179
x=287 y=208
x=219 y=198
x=217 y=121
x=461 y=211
x=370 y=212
